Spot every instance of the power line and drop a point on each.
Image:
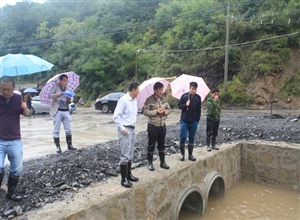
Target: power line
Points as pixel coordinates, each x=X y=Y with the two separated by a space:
x=231 y=45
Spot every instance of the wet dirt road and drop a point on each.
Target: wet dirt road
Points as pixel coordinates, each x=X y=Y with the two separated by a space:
x=90 y=127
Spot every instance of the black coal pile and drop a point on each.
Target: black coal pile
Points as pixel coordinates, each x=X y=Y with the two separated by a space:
x=58 y=176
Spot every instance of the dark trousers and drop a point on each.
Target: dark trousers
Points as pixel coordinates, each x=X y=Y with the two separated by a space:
x=156 y=134
x=212 y=127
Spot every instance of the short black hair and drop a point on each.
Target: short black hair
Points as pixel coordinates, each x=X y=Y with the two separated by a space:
x=132 y=86
x=62 y=76
x=8 y=79
x=158 y=85
x=215 y=90
x=193 y=84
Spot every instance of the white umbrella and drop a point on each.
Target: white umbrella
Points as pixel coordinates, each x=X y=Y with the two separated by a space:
x=146 y=89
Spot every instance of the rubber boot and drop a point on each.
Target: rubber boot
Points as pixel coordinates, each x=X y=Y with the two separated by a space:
x=208 y=143
x=56 y=141
x=1 y=178
x=130 y=177
x=214 y=147
x=124 y=173
x=150 y=161
x=182 y=152
x=162 y=160
x=69 y=142
x=191 y=147
x=11 y=185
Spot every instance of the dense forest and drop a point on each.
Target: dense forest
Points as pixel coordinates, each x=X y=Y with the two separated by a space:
x=109 y=43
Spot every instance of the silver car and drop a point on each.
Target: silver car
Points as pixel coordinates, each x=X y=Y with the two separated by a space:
x=38 y=107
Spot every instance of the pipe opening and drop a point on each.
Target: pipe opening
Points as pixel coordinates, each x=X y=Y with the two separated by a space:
x=217 y=190
x=191 y=206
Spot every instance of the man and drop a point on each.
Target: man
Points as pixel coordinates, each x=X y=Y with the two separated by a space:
x=125 y=118
x=157 y=109
x=11 y=106
x=190 y=105
x=213 y=119
x=60 y=112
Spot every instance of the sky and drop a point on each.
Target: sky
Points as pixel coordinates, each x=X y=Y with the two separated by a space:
x=12 y=2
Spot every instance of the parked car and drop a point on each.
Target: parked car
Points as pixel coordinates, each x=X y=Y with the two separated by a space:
x=108 y=102
x=38 y=107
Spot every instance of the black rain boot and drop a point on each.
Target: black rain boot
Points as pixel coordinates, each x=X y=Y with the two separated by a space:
x=69 y=142
x=124 y=180
x=214 y=147
x=11 y=185
x=208 y=143
x=150 y=161
x=56 y=141
x=162 y=160
x=191 y=147
x=130 y=177
x=182 y=152
x=1 y=178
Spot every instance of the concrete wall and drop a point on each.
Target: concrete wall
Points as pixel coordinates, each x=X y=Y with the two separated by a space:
x=273 y=164
x=162 y=193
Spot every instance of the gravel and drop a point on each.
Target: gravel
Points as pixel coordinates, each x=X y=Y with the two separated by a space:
x=47 y=179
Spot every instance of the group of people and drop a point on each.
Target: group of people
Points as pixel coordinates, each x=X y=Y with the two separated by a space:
x=157 y=109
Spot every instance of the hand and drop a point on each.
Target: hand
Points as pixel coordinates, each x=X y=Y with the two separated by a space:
x=23 y=105
x=160 y=111
x=124 y=132
x=59 y=95
x=187 y=103
x=216 y=97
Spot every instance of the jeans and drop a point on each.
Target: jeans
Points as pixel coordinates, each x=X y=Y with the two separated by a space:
x=14 y=151
x=188 y=127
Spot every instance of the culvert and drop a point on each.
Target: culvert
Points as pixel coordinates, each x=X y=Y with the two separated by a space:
x=190 y=198
x=215 y=185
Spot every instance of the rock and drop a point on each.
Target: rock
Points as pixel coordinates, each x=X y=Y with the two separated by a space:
x=10 y=212
x=18 y=210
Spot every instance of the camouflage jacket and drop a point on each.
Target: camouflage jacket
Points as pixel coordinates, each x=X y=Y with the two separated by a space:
x=213 y=109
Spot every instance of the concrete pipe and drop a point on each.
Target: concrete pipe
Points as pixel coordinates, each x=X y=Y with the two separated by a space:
x=190 y=198
x=215 y=186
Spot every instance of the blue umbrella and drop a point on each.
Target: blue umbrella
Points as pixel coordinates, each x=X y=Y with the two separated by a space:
x=30 y=90
x=20 y=64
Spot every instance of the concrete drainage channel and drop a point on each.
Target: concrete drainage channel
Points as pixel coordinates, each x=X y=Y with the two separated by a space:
x=163 y=193
x=195 y=200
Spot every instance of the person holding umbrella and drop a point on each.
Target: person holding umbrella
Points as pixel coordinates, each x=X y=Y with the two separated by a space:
x=157 y=109
x=125 y=116
x=190 y=105
x=11 y=106
x=60 y=112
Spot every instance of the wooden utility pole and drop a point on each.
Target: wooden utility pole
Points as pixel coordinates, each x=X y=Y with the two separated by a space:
x=136 y=64
x=226 y=51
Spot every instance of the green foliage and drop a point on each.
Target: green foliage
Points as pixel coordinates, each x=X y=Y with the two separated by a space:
x=291 y=86
x=235 y=93
x=99 y=40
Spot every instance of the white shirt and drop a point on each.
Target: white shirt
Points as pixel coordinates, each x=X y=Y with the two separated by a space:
x=125 y=112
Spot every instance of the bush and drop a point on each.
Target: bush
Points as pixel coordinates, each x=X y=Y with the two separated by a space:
x=291 y=86
x=235 y=94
